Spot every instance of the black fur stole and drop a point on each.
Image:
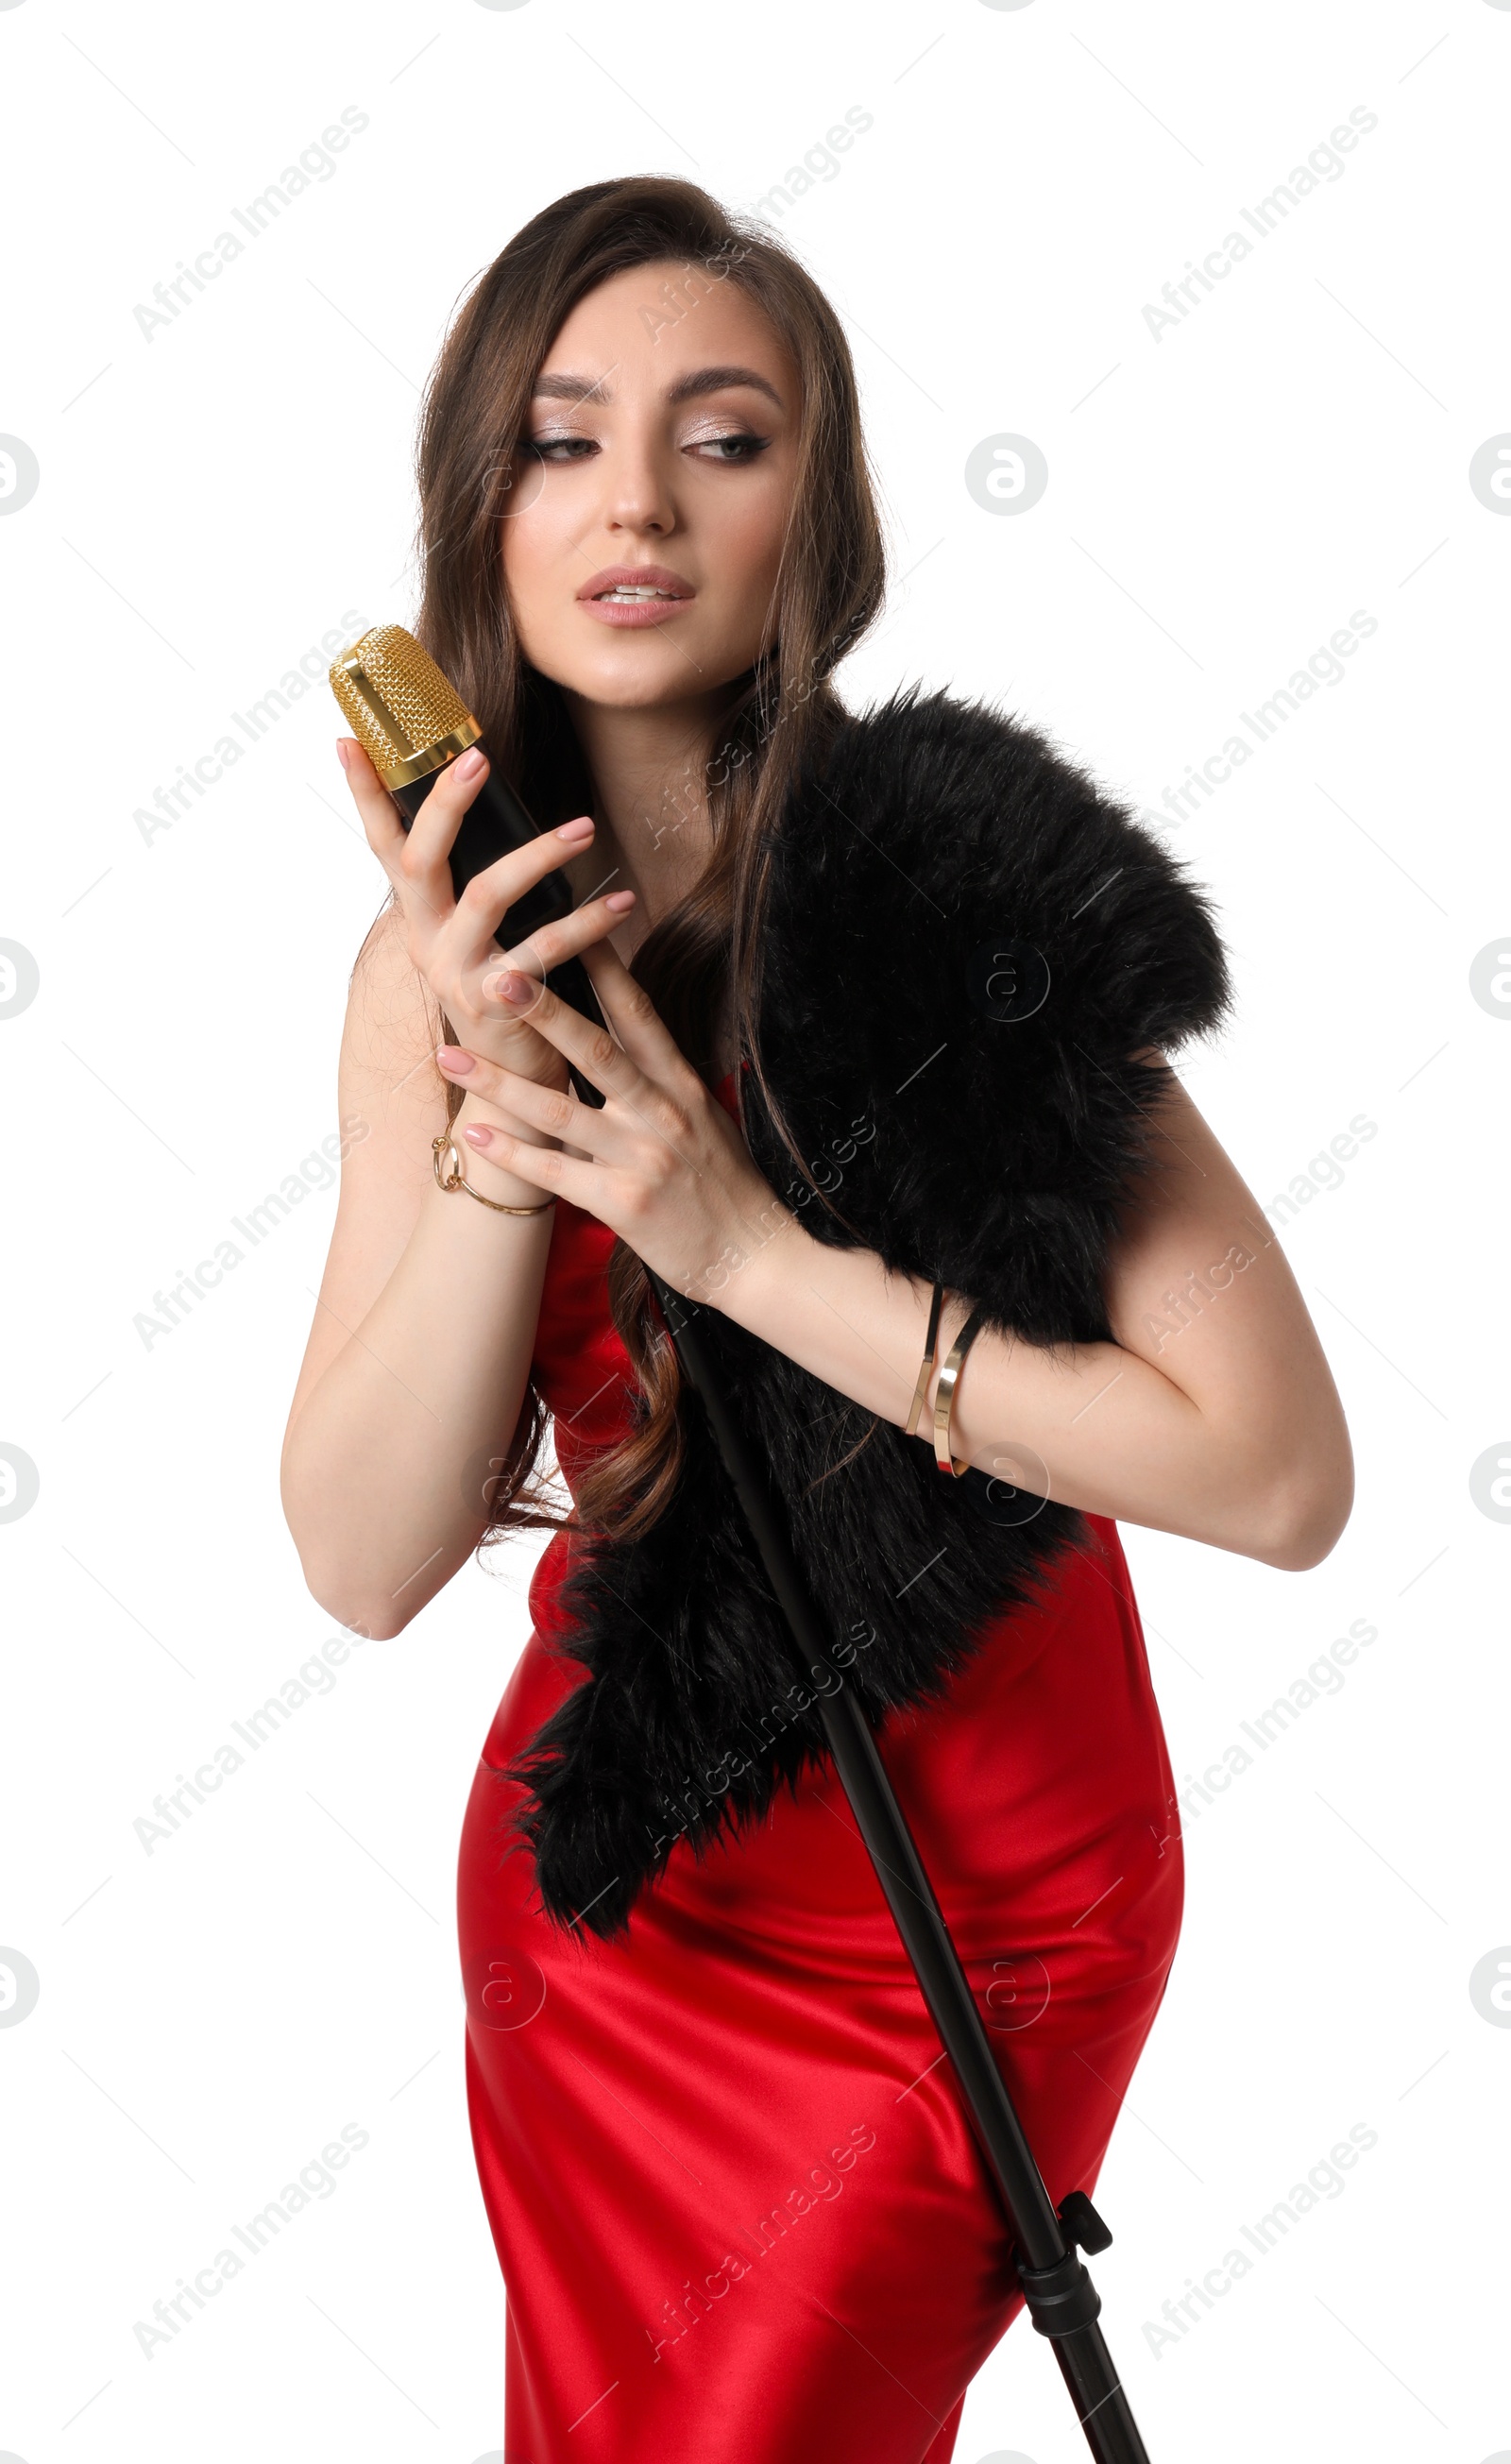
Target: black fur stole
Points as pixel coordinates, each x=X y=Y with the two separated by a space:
x=967 y=942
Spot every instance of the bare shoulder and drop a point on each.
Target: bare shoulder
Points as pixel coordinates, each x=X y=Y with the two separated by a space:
x=392 y=1102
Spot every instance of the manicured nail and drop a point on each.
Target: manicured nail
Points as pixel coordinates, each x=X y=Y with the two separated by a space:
x=341 y=753
x=451 y=1056
x=515 y=988
x=468 y=766
x=476 y=1136
x=618 y=899
x=581 y=828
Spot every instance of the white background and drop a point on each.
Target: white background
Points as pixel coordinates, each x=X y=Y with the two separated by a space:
x=214 y=500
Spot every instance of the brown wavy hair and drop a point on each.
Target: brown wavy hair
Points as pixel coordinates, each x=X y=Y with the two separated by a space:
x=828 y=590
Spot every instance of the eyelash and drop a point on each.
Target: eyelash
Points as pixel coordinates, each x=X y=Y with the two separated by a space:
x=539 y=449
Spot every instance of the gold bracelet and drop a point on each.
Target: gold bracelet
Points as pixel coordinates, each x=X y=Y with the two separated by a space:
x=920 y=1390
x=454 y=1178
x=944 y=1395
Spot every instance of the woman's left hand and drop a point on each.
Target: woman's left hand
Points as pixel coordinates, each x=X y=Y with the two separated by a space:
x=662 y=1163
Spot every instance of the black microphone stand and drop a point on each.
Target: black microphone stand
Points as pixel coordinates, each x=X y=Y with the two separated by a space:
x=1059 y=2292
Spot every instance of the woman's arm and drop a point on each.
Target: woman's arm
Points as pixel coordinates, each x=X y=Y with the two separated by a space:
x=420 y=1351
x=1213 y=1414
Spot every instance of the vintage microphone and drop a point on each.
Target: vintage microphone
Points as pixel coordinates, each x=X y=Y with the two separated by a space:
x=412 y=723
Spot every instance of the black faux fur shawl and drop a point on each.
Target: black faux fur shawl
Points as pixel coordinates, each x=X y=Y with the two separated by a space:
x=967 y=942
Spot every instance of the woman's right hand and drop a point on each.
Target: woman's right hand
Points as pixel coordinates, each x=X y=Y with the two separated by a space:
x=450 y=941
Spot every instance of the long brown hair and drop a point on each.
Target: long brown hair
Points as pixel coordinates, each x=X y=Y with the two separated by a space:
x=828 y=590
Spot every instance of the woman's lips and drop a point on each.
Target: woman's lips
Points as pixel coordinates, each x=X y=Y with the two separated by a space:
x=635 y=612
x=635 y=609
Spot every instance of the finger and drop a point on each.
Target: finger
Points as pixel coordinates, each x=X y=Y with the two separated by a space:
x=417 y=859
x=601 y=1060
x=664 y=1112
x=636 y=1021
x=432 y=832
x=565 y=1175
x=489 y=895
x=416 y=882
x=374 y=806
x=560 y=1115
x=428 y=838
x=545 y=948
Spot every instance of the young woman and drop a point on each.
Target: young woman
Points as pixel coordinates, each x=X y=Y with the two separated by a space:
x=735 y=2201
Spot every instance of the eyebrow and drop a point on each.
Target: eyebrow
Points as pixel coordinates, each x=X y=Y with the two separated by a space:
x=564 y=388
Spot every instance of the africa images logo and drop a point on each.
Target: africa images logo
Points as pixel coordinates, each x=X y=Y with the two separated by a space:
x=1324 y=162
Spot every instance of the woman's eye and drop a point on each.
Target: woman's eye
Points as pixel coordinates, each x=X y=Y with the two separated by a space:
x=558 y=448
x=741 y=448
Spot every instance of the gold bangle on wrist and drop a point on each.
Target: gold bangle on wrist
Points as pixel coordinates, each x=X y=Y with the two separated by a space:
x=921 y=1389
x=943 y=1396
x=454 y=1178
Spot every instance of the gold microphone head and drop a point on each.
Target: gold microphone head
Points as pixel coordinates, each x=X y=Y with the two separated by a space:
x=404 y=713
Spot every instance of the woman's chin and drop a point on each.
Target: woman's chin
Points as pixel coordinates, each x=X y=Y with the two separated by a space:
x=646 y=680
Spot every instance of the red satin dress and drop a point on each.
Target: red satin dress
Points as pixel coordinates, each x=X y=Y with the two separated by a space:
x=739 y=2212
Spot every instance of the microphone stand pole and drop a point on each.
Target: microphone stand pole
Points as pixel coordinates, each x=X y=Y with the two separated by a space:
x=1059 y=2292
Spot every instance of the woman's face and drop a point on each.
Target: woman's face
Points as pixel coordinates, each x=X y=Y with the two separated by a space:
x=660 y=455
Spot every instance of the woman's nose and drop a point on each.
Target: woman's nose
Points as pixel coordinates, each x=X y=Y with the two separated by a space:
x=637 y=492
